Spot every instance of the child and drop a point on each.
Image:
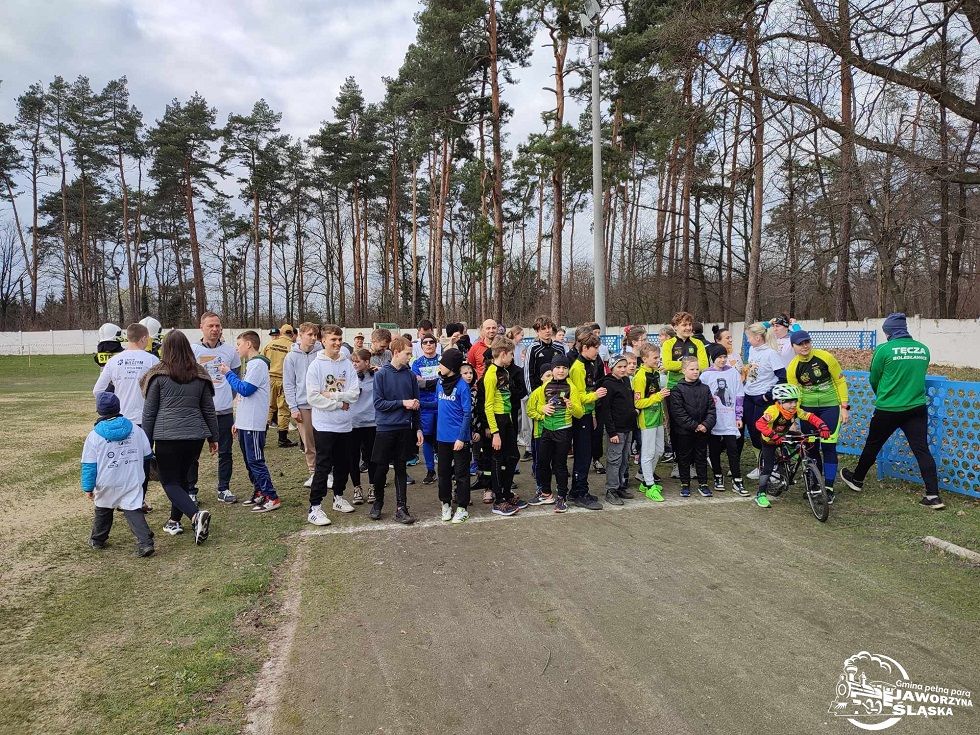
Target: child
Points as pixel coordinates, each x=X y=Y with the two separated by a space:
x=725 y=384
x=773 y=425
x=503 y=433
x=692 y=416
x=396 y=408
x=426 y=369
x=455 y=409
x=113 y=458
x=363 y=427
x=584 y=374
x=294 y=369
x=535 y=402
x=617 y=416
x=648 y=399
x=556 y=403
x=251 y=419
x=332 y=388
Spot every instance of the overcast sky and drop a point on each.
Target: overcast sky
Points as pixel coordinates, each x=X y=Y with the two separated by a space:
x=295 y=54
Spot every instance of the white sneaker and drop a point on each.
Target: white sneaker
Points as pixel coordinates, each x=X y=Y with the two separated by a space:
x=309 y=481
x=317 y=517
x=460 y=515
x=447 y=512
x=754 y=474
x=340 y=503
x=675 y=473
x=330 y=481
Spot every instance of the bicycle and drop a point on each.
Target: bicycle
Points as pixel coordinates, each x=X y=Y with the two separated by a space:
x=793 y=454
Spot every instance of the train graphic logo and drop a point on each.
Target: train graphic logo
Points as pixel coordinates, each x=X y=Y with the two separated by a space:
x=868 y=690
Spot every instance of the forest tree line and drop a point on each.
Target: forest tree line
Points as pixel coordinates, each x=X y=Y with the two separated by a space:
x=815 y=156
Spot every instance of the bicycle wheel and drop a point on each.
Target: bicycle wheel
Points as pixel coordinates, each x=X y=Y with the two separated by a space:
x=779 y=479
x=816 y=492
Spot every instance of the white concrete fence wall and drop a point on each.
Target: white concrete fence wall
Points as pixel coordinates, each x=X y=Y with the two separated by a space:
x=952 y=341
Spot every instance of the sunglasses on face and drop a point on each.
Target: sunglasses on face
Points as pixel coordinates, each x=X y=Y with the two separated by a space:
x=428 y=341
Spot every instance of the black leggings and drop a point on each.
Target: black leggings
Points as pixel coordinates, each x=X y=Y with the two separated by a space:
x=175 y=457
x=914 y=423
x=454 y=465
x=754 y=407
x=730 y=444
x=361 y=445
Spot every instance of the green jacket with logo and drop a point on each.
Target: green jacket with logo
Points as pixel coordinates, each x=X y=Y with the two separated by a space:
x=898 y=374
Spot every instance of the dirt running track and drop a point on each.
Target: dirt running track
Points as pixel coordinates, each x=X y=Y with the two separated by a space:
x=691 y=618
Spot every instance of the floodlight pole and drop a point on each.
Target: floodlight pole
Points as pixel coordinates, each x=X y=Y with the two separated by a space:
x=598 y=226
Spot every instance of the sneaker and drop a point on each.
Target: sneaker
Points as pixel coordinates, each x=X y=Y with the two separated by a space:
x=754 y=475
x=256 y=499
x=668 y=457
x=625 y=493
x=657 y=480
x=363 y=467
x=403 y=516
x=541 y=498
x=685 y=492
x=933 y=501
x=830 y=496
x=488 y=496
x=358 y=496
x=613 y=499
x=173 y=527
x=447 y=512
x=474 y=469
x=599 y=469
x=317 y=517
x=226 y=496
x=460 y=516
x=268 y=505
x=202 y=525
x=516 y=500
x=847 y=476
x=412 y=461
x=287 y=444
x=375 y=513
x=330 y=481
x=719 y=484
x=561 y=505
x=370 y=496
x=675 y=474
x=145 y=551
x=705 y=492
x=655 y=493
x=504 y=509
x=526 y=457
x=762 y=501
x=738 y=487
x=309 y=481
x=410 y=480
x=430 y=477
x=193 y=497
x=587 y=501
x=99 y=545
x=340 y=504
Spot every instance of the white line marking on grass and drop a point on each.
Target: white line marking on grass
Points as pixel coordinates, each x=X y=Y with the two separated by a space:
x=531 y=512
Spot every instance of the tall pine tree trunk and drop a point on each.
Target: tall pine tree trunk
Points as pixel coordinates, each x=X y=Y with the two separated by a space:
x=200 y=294
x=498 y=171
x=758 y=171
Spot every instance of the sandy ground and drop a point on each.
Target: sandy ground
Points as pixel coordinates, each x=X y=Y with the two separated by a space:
x=689 y=617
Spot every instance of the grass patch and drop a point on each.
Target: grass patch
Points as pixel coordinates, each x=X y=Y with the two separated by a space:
x=42 y=373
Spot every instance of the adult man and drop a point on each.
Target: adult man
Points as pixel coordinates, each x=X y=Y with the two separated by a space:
x=426 y=328
x=211 y=352
x=478 y=356
x=898 y=378
x=275 y=352
x=358 y=341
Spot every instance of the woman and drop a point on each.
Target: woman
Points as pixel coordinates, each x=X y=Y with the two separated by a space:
x=781 y=327
x=178 y=416
x=723 y=337
x=634 y=336
x=764 y=371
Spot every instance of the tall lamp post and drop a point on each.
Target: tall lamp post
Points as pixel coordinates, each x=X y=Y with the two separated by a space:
x=590 y=21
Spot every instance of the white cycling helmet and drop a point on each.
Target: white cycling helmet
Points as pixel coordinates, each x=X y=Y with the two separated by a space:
x=152 y=325
x=109 y=332
x=786 y=392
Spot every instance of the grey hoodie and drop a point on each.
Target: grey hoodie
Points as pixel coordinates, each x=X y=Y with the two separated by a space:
x=294 y=369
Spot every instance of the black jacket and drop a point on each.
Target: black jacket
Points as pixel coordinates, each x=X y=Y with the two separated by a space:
x=615 y=411
x=691 y=404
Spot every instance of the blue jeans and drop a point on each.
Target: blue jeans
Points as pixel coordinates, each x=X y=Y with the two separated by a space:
x=253 y=449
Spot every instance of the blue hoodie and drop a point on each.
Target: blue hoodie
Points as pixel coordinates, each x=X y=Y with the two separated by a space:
x=391 y=387
x=896 y=326
x=455 y=412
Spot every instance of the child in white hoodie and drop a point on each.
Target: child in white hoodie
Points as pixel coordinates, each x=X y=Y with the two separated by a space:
x=331 y=387
x=725 y=383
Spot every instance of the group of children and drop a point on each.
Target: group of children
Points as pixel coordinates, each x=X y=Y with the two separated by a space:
x=367 y=410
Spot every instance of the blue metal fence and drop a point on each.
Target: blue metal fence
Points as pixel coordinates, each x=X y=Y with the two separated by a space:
x=832 y=339
x=954 y=433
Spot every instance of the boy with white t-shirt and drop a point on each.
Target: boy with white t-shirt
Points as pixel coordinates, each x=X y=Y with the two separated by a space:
x=250 y=420
x=125 y=369
x=113 y=458
x=212 y=352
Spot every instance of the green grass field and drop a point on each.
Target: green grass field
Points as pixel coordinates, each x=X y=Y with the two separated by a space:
x=103 y=642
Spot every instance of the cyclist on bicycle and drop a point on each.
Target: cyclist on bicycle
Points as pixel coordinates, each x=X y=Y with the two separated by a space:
x=823 y=391
x=773 y=425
